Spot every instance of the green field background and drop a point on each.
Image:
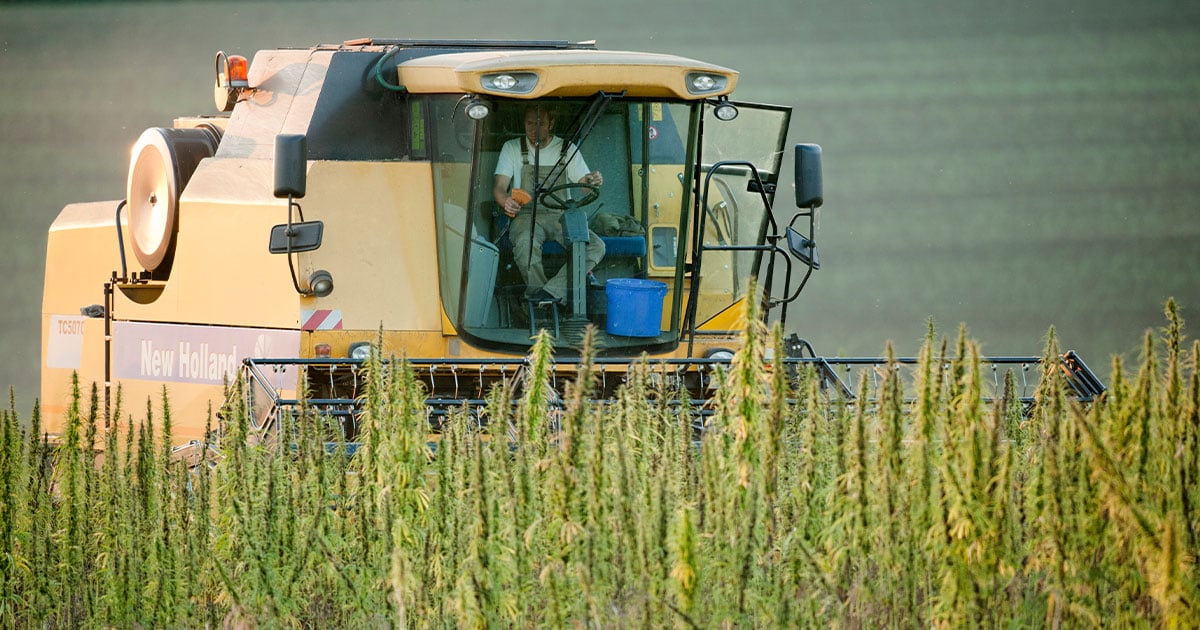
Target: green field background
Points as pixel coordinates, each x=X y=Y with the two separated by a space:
x=1010 y=166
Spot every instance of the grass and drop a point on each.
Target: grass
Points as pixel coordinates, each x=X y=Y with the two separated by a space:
x=930 y=507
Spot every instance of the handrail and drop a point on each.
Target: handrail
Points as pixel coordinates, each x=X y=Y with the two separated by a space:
x=689 y=321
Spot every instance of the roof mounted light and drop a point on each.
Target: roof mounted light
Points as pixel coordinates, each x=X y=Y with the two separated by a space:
x=233 y=72
x=509 y=82
x=705 y=82
x=724 y=110
x=477 y=109
x=504 y=82
x=239 y=72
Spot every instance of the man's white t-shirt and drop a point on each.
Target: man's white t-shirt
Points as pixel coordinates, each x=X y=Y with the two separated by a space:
x=509 y=163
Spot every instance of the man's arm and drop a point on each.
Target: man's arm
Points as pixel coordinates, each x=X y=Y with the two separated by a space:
x=506 y=167
x=503 y=199
x=594 y=178
x=578 y=169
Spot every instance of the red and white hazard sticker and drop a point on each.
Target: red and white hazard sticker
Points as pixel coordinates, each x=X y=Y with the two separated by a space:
x=321 y=319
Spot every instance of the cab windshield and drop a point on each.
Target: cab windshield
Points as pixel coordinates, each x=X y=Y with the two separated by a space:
x=558 y=214
x=587 y=182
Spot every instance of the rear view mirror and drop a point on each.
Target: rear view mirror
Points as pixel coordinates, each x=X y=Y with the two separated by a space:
x=296 y=237
x=808 y=176
x=803 y=248
x=291 y=160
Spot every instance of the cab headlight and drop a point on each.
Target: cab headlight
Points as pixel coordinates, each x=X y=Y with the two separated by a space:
x=504 y=82
x=510 y=82
x=477 y=109
x=724 y=110
x=705 y=82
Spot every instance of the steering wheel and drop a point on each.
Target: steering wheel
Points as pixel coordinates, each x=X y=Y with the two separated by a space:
x=552 y=200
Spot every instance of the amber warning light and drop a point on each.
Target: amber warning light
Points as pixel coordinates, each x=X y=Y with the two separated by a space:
x=233 y=72
x=238 y=71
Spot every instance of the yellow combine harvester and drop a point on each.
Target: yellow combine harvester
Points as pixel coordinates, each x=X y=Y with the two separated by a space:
x=454 y=197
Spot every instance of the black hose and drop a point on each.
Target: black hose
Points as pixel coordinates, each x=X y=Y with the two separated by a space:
x=121 y=241
x=391 y=52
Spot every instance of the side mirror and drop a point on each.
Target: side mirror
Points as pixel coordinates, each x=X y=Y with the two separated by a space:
x=803 y=248
x=294 y=238
x=291 y=162
x=808 y=176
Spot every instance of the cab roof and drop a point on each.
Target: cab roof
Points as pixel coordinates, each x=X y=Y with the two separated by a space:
x=562 y=72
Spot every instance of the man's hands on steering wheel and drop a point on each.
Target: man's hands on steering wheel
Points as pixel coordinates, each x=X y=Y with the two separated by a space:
x=551 y=199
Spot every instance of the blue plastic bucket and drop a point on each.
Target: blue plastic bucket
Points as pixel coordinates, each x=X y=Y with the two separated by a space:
x=634 y=307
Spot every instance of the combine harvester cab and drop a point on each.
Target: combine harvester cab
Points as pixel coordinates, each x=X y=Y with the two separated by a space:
x=348 y=195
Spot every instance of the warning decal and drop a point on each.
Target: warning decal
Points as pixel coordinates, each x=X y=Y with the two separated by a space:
x=321 y=319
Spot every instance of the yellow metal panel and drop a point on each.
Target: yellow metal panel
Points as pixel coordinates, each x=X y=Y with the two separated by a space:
x=664 y=207
x=379 y=245
x=447 y=325
x=81 y=254
x=562 y=73
x=248 y=181
x=413 y=345
x=732 y=318
x=56 y=381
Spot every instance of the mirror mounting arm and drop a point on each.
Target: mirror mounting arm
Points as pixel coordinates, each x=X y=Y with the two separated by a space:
x=290 y=232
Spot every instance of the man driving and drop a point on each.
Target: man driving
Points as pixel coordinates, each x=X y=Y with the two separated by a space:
x=524 y=163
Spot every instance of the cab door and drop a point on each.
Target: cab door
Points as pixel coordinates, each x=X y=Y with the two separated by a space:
x=737 y=176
